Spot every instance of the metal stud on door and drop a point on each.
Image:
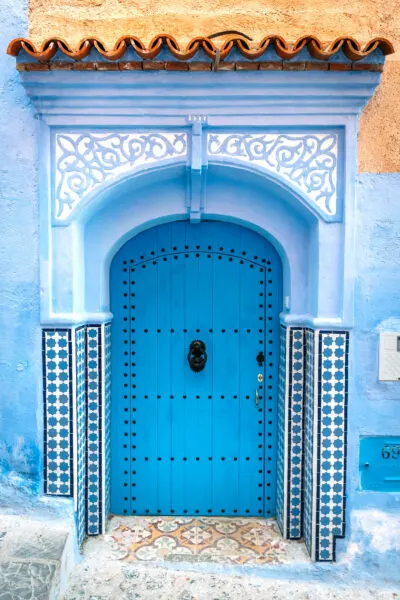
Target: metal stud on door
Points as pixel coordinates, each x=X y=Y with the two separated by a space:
x=195 y=371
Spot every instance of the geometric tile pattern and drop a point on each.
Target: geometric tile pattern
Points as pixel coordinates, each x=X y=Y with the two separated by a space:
x=290 y=432
x=107 y=419
x=77 y=399
x=281 y=462
x=80 y=402
x=94 y=429
x=234 y=541
x=58 y=412
x=308 y=462
x=325 y=445
x=295 y=433
x=331 y=420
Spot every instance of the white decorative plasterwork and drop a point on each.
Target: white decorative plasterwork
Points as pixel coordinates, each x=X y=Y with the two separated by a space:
x=83 y=161
x=306 y=160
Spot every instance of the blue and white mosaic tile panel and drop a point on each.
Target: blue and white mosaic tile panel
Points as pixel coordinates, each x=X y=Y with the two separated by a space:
x=94 y=429
x=80 y=391
x=77 y=399
x=58 y=412
x=290 y=432
x=295 y=433
x=332 y=441
x=107 y=419
x=308 y=458
x=281 y=436
x=98 y=363
x=325 y=441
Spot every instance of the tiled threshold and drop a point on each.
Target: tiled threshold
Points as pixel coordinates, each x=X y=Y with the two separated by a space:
x=215 y=540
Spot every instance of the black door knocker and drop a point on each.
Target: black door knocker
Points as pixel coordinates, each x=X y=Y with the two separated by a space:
x=197 y=356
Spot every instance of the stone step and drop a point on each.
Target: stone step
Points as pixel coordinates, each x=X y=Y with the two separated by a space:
x=35 y=558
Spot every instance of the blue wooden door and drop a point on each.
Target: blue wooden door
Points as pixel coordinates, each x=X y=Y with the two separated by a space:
x=188 y=442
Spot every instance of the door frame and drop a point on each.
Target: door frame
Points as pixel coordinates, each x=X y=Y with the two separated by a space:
x=302 y=240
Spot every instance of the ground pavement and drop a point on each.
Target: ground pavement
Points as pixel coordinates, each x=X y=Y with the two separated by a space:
x=165 y=558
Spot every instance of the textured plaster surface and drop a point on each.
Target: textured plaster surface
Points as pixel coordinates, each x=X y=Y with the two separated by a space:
x=362 y=19
x=187 y=18
x=373 y=406
x=20 y=495
x=383 y=530
x=20 y=369
x=379 y=133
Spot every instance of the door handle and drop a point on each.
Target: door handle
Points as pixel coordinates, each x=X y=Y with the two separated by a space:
x=257 y=398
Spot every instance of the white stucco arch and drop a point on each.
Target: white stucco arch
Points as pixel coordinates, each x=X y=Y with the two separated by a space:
x=232 y=195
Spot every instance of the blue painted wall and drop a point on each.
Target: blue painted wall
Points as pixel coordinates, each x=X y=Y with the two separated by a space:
x=373 y=407
x=20 y=360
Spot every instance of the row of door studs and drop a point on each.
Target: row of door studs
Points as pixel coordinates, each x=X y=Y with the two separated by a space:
x=198 y=331
x=165 y=259
x=175 y=249
x=159 y=511
x=172 y=458
x=146 y=458
x=259 y=423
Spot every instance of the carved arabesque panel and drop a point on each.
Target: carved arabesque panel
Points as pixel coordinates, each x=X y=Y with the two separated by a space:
x=308 y=161
x=85 y=160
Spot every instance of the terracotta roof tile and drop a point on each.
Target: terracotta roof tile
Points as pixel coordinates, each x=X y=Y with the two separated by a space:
x=318 y=50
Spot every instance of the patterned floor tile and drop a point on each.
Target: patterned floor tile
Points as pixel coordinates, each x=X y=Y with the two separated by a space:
x=205 y=539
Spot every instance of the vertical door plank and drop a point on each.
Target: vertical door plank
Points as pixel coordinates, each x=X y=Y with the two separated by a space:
x=164 y=385
x=144 y=384
x=202 y=382
x=195 y=499
x=252 y=457
x=273 y=303
x=177 y=365
x=120 y=423
x=225 y=370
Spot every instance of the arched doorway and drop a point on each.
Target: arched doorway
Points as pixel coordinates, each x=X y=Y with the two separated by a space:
x=195 y=437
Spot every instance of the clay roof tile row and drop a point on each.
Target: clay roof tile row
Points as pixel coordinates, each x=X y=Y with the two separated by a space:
x=319 y=50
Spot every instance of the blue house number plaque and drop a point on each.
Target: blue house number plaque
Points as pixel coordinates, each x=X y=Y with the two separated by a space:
x=380 y=463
